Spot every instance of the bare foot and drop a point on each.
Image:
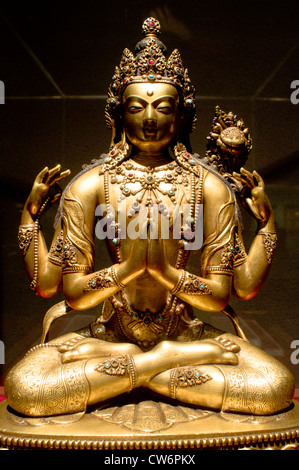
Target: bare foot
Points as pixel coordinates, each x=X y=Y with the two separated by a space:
x=88 y=348
x=228 y=344
x=221 y=353
x=208 y=351
x=70 y=344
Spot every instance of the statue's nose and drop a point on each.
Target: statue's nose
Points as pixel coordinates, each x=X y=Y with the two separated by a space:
x=149 y=124
x=149 y=115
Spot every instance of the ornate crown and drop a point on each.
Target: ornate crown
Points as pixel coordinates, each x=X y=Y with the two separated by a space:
x=150 y=65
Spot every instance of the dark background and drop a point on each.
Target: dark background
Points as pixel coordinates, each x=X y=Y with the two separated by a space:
x=56 y=61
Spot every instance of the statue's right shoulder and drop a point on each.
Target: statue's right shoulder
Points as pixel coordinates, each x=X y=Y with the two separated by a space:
x=87 y=185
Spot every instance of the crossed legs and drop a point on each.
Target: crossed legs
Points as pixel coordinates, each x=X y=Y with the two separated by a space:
x=68 y=374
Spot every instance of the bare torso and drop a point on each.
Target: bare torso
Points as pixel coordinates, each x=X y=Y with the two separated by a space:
x=155 y=197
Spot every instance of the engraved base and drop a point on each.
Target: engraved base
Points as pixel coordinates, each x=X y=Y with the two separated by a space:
x=150 y=423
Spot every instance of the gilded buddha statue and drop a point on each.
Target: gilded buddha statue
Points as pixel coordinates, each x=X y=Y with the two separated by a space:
x=154 y=202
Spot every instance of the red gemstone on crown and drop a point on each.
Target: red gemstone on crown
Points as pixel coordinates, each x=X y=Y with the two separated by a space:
x=151 y=62
x=151 y=24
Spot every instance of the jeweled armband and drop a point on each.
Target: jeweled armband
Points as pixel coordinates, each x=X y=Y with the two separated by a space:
x=240 y=255
x=69 y=257
x=190 y=284
x=103 y=280
x=233 y=254
x=25 y=236
x=56 y=251
x=270 y=242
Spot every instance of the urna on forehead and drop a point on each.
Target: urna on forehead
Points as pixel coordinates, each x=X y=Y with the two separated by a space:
x=150 y=91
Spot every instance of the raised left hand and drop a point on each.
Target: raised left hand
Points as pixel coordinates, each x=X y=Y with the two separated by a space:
x=257 y=202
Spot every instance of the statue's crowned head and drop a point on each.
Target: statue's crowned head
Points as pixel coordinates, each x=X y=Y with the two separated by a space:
x=150 y=65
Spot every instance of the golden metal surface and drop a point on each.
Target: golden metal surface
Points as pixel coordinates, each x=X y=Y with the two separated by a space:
x=151 y=425
x=214 y=389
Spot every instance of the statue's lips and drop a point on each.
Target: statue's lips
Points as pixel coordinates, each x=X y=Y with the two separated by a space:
x=150 y=131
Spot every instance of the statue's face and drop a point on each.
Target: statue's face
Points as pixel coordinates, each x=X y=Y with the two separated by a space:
x=150 y=112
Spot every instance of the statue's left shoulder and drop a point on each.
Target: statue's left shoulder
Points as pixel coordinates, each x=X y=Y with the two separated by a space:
x=216 y=189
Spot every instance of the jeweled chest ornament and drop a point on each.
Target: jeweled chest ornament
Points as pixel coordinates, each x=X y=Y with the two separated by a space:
x=148 y=184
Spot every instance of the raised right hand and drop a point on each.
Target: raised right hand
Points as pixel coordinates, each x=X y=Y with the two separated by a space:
x=43 y=185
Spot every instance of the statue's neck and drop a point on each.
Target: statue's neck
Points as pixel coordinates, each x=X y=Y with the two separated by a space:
x=151 y=159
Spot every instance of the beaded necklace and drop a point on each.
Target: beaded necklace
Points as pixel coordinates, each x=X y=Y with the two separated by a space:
x=184 y=170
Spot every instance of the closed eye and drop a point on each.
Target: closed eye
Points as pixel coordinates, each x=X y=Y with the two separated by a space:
x=135 y=109
x=164 y=109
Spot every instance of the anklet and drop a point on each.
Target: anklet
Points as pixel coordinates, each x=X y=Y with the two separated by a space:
x=120 y=365
x=186 y=377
